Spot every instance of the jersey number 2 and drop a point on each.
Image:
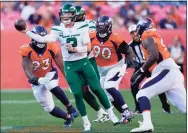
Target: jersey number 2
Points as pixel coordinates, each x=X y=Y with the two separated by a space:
x=72 y=41
x=46 y=63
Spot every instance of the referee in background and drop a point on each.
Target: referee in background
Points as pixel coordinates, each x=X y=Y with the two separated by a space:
x=135 y=44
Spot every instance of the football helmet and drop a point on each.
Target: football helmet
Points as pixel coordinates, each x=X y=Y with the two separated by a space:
x=104 y=26
x=144 y=24
x=80 y=13
x=40 y=30
x=67 y=14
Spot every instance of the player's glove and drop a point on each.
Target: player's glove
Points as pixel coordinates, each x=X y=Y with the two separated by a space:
x=34 y=81
x=39 y=81
x=136 y=76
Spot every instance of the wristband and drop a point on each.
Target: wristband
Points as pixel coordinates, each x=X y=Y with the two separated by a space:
x=82 y=49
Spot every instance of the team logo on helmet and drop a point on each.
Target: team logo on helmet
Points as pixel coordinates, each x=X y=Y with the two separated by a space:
x=67 y=14
x=80 y=14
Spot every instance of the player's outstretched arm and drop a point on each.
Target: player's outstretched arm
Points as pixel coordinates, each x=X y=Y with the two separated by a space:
x=59 y=62
x=42 y=39
x=151 y=47
x=22 y=27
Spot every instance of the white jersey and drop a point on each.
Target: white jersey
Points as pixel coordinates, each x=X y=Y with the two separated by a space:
x=77 y=36
x=92 y=27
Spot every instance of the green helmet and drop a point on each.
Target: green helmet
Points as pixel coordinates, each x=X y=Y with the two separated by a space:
x=67 y=14
x=80 y=13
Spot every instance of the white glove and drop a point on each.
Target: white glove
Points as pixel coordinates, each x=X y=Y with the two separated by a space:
x=44 y=80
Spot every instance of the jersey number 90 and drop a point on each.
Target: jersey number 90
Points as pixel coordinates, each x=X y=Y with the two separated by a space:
x=105 y=52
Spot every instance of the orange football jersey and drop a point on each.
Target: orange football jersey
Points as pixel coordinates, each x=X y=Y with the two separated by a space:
x=41 y=63
x=163 y=50
x=106 y=54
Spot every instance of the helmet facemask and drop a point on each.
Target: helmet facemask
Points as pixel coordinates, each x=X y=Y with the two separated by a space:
x=37 y=44
x=67 y=17
x=103 y=29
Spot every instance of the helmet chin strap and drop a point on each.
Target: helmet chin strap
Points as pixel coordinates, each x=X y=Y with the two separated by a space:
x=102 y=35
x=41 y=45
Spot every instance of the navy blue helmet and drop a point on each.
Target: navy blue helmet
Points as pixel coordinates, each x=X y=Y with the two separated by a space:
x=143 y=25
x=104 y=26
x=40 y=30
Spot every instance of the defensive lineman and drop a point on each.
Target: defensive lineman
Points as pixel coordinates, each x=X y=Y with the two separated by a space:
x=37 y=64
x=166 y=76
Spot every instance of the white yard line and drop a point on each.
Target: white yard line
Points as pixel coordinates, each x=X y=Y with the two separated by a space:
x=30 y=90
x=6 y=128
x=26 y=101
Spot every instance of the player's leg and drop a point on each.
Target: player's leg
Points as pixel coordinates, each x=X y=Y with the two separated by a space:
x=53 y=87
x=92 y=80
x=73 y=79
x=88 y=96
x=177 y=95
x=155 y=85
x=101 y=114
x=134 y=90
x=111 y=84
x=165 y=105
x=44 y=97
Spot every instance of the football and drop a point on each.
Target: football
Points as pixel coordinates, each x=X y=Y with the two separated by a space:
x=20 y=24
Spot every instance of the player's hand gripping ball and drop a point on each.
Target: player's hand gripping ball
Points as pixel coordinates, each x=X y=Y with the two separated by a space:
x=20 y=25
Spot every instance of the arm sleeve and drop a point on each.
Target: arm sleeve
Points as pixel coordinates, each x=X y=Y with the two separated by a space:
x=85 y=36
x=123 y=47
x=42 y=39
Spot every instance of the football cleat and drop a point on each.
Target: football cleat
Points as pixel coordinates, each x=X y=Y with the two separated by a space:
x=87 y=127
x=102 y=118
x=69 y=121
x=73 y=111
x=143 y=128
x=167 y=111
x=127 y=116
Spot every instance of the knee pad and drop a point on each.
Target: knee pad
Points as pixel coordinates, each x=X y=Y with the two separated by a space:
x=142 y=93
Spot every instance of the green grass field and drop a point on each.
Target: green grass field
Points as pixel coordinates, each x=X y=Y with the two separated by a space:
x=21 y=113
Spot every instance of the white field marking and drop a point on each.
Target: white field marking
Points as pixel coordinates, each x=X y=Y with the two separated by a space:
x=30 y=90
x=26 y=101
x=6 y=128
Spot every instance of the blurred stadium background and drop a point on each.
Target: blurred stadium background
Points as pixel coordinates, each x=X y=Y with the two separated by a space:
x=19 y=110
x=170 y=18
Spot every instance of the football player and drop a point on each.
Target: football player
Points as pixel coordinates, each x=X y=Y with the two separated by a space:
x=135 y=44
x=166 y=76
x=109 y=48
x=37 y=64
x=75 y=44
x=88 y=96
